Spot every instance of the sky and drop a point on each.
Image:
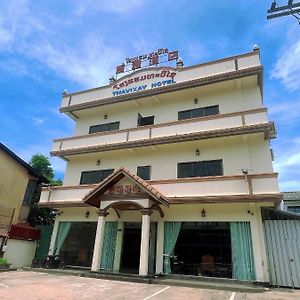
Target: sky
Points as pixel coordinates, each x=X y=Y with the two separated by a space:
x=48 y=46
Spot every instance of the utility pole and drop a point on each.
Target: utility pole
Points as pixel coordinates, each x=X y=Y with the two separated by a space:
x=290 y=8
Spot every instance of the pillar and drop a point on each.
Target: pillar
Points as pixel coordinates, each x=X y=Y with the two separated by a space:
x=144 y=254
x=98 y=240
x=53 y=238
x=257 y=246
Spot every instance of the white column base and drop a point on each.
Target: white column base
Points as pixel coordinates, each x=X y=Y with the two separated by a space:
x=53 y=238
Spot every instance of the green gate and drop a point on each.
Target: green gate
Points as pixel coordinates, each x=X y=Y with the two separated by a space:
x=44 y=243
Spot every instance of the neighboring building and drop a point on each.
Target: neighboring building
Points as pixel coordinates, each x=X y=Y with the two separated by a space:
x=167 y=172
x=17 y=185
x=292 y=201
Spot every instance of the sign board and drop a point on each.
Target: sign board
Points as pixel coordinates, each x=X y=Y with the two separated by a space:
x=151 y=59
x=149 y=79
x=124 y=189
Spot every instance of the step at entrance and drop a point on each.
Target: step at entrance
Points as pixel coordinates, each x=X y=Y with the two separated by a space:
x=209 y=283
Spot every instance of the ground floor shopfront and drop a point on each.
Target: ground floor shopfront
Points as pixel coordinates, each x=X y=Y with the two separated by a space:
x=219 y=240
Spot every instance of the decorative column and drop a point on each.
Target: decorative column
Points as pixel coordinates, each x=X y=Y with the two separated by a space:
x=98 y=240
x=144 y=254
x=53 y=238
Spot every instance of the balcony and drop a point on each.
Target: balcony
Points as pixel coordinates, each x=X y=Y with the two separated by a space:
x=238 y=188
x=203 y=127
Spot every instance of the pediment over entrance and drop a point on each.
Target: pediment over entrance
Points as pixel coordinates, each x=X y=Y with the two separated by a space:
x=123 y=186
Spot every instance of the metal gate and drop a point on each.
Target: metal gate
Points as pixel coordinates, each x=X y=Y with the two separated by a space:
x=44 y=243
x=282 y=236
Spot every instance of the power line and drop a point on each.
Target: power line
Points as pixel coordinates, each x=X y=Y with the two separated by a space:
x=290 y=8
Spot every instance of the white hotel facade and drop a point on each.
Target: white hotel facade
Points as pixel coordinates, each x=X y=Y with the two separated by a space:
x=167 y=172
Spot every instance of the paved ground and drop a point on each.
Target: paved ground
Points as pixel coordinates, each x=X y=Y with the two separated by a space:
x=21 y=285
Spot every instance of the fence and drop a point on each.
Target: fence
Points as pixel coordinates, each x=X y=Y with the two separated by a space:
x=6 y=218
x=282 y=235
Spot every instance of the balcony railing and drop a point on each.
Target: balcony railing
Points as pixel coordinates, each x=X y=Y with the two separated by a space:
x=103 y=95
x=256 y=186
x=171 y=129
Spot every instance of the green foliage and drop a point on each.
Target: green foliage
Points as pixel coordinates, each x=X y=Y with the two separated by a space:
x=38 y=215
x=41 y=164
x=56 y=182
x=3 y=261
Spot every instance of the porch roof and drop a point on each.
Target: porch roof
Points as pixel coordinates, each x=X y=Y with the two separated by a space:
x=94 y=196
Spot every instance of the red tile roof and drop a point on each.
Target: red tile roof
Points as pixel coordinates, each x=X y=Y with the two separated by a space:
x=115 y=177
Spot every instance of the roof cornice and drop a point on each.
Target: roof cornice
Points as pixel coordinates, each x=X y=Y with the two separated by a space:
x=257 y=70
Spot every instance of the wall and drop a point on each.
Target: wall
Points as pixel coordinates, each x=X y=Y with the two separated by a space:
x=237 y=212
x=13 y=184
x=185 y=74
x=230 y=96
x=163 y=159
x=20 y=253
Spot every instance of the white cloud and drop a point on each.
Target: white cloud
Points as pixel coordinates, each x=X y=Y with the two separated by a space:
x=286 y=112
x=26 y=32
x=287 y=67
x=14 y=66
x=38 y=121
x=287 y=164
x=116 y=6
x=88 y=64
x=196 y=51
x=291 y=185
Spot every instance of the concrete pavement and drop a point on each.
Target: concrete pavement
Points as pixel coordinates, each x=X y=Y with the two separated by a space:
x=21 y=285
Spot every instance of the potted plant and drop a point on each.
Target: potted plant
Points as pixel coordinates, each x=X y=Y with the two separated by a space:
x=4 y=265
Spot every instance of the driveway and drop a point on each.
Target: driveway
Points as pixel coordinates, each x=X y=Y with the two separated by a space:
x=21 y=285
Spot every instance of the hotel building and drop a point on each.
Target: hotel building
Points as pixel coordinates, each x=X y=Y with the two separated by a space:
x=167 y=172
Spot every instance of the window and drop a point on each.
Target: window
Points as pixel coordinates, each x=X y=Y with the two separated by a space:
x=104 y=127
x=143 y=121
x=200 y=168
x=29 y=192
x=198 y=112
x=144 y=172
x=294 y=209
x=89 y=177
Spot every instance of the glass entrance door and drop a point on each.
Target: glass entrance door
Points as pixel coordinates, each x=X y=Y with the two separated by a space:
x=130 y=258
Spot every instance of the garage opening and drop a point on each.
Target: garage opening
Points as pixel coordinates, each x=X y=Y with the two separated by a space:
x=130 y=259
x=203 y=249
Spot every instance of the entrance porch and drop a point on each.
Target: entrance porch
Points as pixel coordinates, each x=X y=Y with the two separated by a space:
x=137 y=232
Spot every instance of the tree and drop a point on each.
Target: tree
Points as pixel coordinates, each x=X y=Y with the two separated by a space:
x=42 y=166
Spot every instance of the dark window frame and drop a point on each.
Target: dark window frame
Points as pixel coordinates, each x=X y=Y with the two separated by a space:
x=140 y=175
x=101 y=127
x=145 y=121
x=294 y=208
x=200 y=169
x=198 y=112
x=99 y=174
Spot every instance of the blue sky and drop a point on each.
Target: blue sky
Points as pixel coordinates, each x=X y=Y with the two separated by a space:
x=48 y=46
